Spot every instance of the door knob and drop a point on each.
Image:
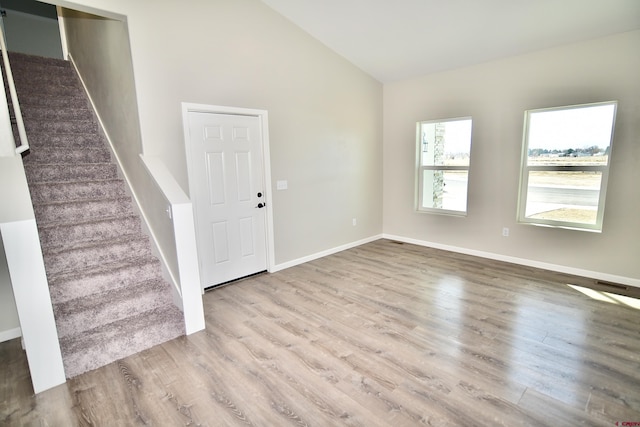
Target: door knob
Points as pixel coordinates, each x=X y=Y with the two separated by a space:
x=261 y=205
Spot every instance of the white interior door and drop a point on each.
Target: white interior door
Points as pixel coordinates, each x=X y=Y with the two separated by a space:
x=229 y=199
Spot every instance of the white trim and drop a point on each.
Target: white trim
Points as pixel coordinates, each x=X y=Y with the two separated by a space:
x=187 y=253
x=86 y=9
x=63 y=34
x=10 y=334
x=263 y=117
x=522 y=261
x=325 y=253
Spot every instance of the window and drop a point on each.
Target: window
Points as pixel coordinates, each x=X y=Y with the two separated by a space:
x=444 y=149
x=565 y=165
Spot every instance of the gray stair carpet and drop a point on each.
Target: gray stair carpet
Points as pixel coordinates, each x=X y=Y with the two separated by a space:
x=108 y=296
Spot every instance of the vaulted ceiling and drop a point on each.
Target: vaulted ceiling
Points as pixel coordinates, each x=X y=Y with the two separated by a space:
x=400 y=39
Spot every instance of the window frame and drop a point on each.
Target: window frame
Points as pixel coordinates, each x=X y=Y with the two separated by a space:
x=419 y=184
x=525 y=170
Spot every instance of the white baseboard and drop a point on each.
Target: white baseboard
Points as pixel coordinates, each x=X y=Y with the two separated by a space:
x=10 y=334
x=629 y=281
x=318 y=255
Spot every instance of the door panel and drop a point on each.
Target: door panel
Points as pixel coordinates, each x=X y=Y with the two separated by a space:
x=220 y=241
x=226 y=157
x=243 y=176
x=216 y=178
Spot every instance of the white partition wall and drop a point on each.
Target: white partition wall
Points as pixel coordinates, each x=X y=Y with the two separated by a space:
x=26 y=269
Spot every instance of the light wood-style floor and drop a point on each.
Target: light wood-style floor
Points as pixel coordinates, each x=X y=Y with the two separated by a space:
x=385 y=334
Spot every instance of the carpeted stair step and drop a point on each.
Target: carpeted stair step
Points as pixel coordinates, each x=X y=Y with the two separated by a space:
x=30 y=79
x=36 y=100
x=17 y=58
x=28 y=75
x=90 y=255
x=82 y=314
x=50 y=90
x=46 y=83
x=68 y=155
x=29 y=94
x=47 y=192
x=34 y=112
x=65 y=287
x=51 y=236
x=70 y=172
x=66 y=127
x=38 y=139
x=114 y=341
x=31 y=71
x=44 y=76
x=82 y=210
x=35 y=79
x=38 y=70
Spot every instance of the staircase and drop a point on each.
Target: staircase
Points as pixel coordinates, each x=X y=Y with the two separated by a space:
x=108 y=296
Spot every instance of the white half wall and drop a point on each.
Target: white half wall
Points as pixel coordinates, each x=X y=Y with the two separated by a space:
x=9 y=322
x=19 y=236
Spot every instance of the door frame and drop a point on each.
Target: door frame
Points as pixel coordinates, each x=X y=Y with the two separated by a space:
x=263 y=118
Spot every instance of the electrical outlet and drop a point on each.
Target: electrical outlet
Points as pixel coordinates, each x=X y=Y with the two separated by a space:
x=505 y=232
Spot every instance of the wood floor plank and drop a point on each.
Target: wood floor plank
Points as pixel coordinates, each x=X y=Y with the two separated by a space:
x=384 y=334
x=545 y=408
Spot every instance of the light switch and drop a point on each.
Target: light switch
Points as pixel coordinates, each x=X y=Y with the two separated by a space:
x=281 y=185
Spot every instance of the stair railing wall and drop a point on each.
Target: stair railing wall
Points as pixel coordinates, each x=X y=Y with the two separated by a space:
x=24 y=142
x=180 y=212
x=19 y=235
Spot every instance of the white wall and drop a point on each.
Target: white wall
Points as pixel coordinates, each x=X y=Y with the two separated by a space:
x=496 y=94
x=325 y=114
